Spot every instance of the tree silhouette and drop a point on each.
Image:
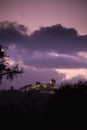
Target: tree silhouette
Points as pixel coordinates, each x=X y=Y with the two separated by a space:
x=4 y=69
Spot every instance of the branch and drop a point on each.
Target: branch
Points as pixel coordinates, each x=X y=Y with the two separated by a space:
x=12 y=72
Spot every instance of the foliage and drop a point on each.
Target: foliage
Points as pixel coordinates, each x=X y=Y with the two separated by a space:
x=66 y=109
x=4 y=69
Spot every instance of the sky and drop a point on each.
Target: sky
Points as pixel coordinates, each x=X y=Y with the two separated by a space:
x=48 y=38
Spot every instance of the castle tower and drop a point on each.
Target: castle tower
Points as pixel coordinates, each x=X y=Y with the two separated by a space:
x=53 y=83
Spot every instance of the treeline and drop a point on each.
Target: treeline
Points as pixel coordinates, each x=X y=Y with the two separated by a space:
x=67 y=108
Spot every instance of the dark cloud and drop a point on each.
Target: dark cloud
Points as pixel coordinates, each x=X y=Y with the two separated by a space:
x=57 y=62
x=11 y=32
x=58 y=38
x=43 y=51
x=33 y=49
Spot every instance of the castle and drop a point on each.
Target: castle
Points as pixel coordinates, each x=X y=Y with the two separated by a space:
x=40 y=86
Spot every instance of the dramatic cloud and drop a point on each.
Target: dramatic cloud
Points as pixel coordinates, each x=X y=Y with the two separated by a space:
x=58 y=38
x=45 y=50
x=12 y=33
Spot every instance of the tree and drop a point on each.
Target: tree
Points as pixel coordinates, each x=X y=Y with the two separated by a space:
x=6 y=71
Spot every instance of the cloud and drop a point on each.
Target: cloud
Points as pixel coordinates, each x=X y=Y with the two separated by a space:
x=71 y=73
x=58 y=38
x=46 y=49
x=44 y=60
x=11 y=32
x=76 y=79
x=54 y=38
x=49 y=47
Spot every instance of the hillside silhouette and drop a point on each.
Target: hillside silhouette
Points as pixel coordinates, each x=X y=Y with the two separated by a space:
x=65 y=109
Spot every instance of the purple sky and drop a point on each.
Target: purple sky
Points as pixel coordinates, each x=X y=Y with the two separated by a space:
x=48 y=39
x=36 y=13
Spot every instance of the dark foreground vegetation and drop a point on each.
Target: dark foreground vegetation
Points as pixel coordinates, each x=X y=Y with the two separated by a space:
x=66 y=109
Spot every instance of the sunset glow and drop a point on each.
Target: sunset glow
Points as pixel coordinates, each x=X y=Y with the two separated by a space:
x=70 y=73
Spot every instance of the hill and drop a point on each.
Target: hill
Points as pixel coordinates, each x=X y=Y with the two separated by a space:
x=65 y=109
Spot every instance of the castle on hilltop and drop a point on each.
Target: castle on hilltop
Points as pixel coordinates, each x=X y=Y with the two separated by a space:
x=40 y=86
